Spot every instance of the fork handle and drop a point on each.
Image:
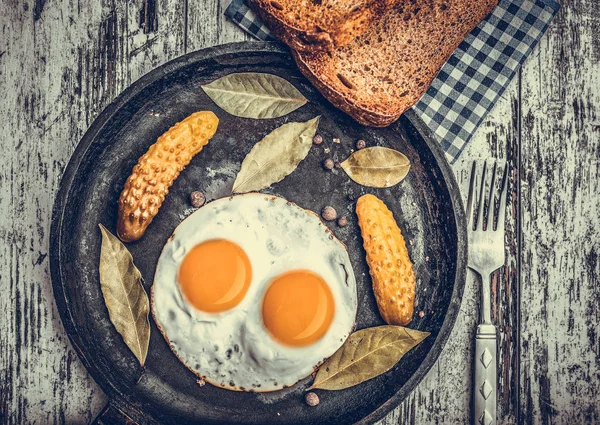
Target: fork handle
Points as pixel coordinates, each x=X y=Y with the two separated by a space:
x=485 y=375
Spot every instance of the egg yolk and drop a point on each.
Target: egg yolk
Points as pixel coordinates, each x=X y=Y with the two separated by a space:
x=298 y=308
x=215 y=275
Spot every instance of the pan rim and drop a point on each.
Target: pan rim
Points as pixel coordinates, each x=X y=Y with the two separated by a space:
x=68 y=177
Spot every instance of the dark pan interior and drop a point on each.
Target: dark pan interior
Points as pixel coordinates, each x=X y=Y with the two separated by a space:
x=426 y=205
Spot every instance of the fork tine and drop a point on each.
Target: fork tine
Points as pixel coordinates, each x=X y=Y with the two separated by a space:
x=481 y=200
x=471 y=198
x=502 y=206
x=490 y=216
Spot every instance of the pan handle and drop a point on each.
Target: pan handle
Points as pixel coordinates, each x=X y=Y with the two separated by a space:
x=115 y=413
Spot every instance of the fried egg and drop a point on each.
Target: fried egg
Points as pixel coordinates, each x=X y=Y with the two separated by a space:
x=253 y=292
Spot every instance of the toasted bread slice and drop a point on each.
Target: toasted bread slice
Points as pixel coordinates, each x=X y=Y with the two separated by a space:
x=387 y=69
x=319 y=25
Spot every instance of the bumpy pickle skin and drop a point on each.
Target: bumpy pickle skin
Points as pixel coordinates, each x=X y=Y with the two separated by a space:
x=156 y=170
x=394 y=281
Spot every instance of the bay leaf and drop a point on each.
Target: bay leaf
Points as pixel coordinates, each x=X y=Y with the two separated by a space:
x=366 y=354
x=124 y=295
x=275 y=156
x=377 y=167
x=255 y=95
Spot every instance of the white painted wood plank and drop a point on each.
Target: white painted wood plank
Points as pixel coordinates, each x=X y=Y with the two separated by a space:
x=207 y=25
x=61 y=64
x=560 y=181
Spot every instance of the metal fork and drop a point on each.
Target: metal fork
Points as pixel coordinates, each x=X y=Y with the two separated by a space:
x=486 y=255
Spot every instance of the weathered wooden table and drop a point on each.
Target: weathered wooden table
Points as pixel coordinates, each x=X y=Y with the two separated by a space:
x=62 y=62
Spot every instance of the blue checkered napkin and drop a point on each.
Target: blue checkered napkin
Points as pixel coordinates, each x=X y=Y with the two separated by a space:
x=241 y=14
x=476 y=74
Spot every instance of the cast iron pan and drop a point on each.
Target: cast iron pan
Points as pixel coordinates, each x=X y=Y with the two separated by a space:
x=426 y=205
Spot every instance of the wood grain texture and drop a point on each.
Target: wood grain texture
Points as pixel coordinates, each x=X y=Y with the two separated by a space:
x=560 y=186
x=39 y=370
x=62 y=62
x=207 y=25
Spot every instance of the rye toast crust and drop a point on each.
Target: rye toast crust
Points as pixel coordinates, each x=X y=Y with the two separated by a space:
x=313 y=36
x=405 y=70
x=361 y=115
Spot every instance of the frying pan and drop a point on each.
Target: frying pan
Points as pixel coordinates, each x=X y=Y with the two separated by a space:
x=426 y=204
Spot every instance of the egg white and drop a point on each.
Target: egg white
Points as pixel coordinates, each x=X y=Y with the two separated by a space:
x=232 y=349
